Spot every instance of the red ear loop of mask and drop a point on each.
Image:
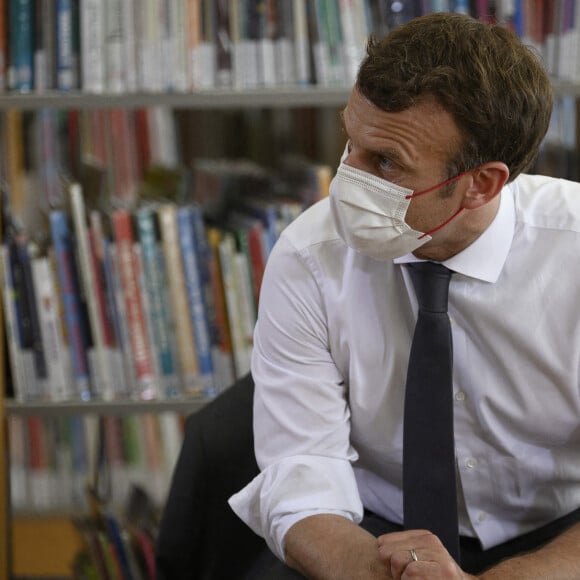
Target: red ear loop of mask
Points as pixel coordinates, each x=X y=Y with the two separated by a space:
x=418 y=193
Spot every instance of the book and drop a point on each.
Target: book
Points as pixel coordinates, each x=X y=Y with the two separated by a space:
x=53 y=342
x=191 y=259
x=21 y=53
x=106 y=303
x=44 y=45
x=234 y=281
x=130 y=17
x=15 y=354
x=122 y=225
x=114 y=46
x=66 y=45
x=93 y=59
x=301 y=41
x=182 y=329
x=21 y=251
x=38 y=466
x=155 y=277
x=4 y=42
x=222 y=41
x=123 y=158
x=267 y=23
x=18 y=450
x=223 y=354
x=75 y=316
x=284 y=43
x=100 y=351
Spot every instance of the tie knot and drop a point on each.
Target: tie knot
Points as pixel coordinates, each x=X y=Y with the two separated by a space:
x=431 y=283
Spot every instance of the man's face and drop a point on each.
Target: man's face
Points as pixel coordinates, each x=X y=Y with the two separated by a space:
x=410 y=149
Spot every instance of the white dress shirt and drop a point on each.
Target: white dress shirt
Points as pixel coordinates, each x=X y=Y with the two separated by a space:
x=330 y=360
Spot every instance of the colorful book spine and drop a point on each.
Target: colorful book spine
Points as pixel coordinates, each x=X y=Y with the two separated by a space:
x=128 y=269
x=66 y=55
x=68 y=279
x=32 y=332
x=235 y=316
x=188 y=365
x=155 y=287
x=21 y=18
x=103 y=382
x=197 y=310
x=52 y=338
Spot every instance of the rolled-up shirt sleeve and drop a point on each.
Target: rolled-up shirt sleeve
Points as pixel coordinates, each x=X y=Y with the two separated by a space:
x=301 y=415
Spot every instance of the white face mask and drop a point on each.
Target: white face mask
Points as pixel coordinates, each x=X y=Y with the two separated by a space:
x=369 y=214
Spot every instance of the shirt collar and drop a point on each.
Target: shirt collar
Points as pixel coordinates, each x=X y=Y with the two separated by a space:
x=485 y=257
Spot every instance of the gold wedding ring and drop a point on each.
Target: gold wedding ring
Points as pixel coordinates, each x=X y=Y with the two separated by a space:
x=413 y=555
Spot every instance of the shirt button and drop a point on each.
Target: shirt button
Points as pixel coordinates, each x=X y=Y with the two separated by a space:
x=481 y=517
x=471 y=462
x=459 y=396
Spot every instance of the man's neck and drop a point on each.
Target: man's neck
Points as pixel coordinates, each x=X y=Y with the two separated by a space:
x=466 y=230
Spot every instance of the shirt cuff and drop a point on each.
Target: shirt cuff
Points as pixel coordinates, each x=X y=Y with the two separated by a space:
x=295 y=488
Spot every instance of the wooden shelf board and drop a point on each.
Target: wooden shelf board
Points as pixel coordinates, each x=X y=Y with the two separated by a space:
x=44 y=546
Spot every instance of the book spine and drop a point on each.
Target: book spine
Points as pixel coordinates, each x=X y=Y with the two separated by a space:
x=12 y=335
x=43 y=33
x=64 y=254
x=285 y=59
x=142 y=357
x=52 y=339
x=224 y=355
x=66 y=59
x=114 y=46
x=21 y=54
x=130 y=21
x=301 y=42
x=124 y=158
x=24 y=257
x=154 y=274
x=113 y=277
x=266 y=52
x=21 y=45
x=4 y=42
x=197 y=311
x=234 y=315
x=92 y=22
x=189 y=368
x=193 y=41
x=86 y=261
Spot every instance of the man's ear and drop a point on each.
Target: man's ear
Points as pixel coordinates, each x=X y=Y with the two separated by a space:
x=487 y=181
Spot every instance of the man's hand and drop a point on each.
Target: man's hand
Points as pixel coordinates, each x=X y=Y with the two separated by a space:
x=417 y=554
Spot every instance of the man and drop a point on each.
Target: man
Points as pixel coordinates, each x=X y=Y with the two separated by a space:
x=446 y=115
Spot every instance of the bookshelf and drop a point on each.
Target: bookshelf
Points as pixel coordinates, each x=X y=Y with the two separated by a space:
x=25 y=534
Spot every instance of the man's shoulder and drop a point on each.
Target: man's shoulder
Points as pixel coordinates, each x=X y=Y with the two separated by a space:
x=547 y=202
x=313 y=227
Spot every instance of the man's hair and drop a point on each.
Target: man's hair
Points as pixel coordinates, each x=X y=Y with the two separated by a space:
x=493 y=85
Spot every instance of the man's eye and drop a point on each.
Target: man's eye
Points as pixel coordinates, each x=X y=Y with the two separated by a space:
x=384 y=162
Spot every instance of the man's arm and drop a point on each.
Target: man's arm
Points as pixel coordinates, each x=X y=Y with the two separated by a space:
x=558 y=560
x=330 y=546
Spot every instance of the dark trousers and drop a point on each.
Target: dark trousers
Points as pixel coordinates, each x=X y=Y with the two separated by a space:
x=473 y=559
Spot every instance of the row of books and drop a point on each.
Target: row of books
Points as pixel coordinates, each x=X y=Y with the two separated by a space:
x=108 y=150
x=115 y=549
x=146 y=302
x=182 y=45
x=552 y=27
x=60 y=464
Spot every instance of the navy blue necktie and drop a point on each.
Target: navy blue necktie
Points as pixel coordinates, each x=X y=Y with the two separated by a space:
x=429 y=489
